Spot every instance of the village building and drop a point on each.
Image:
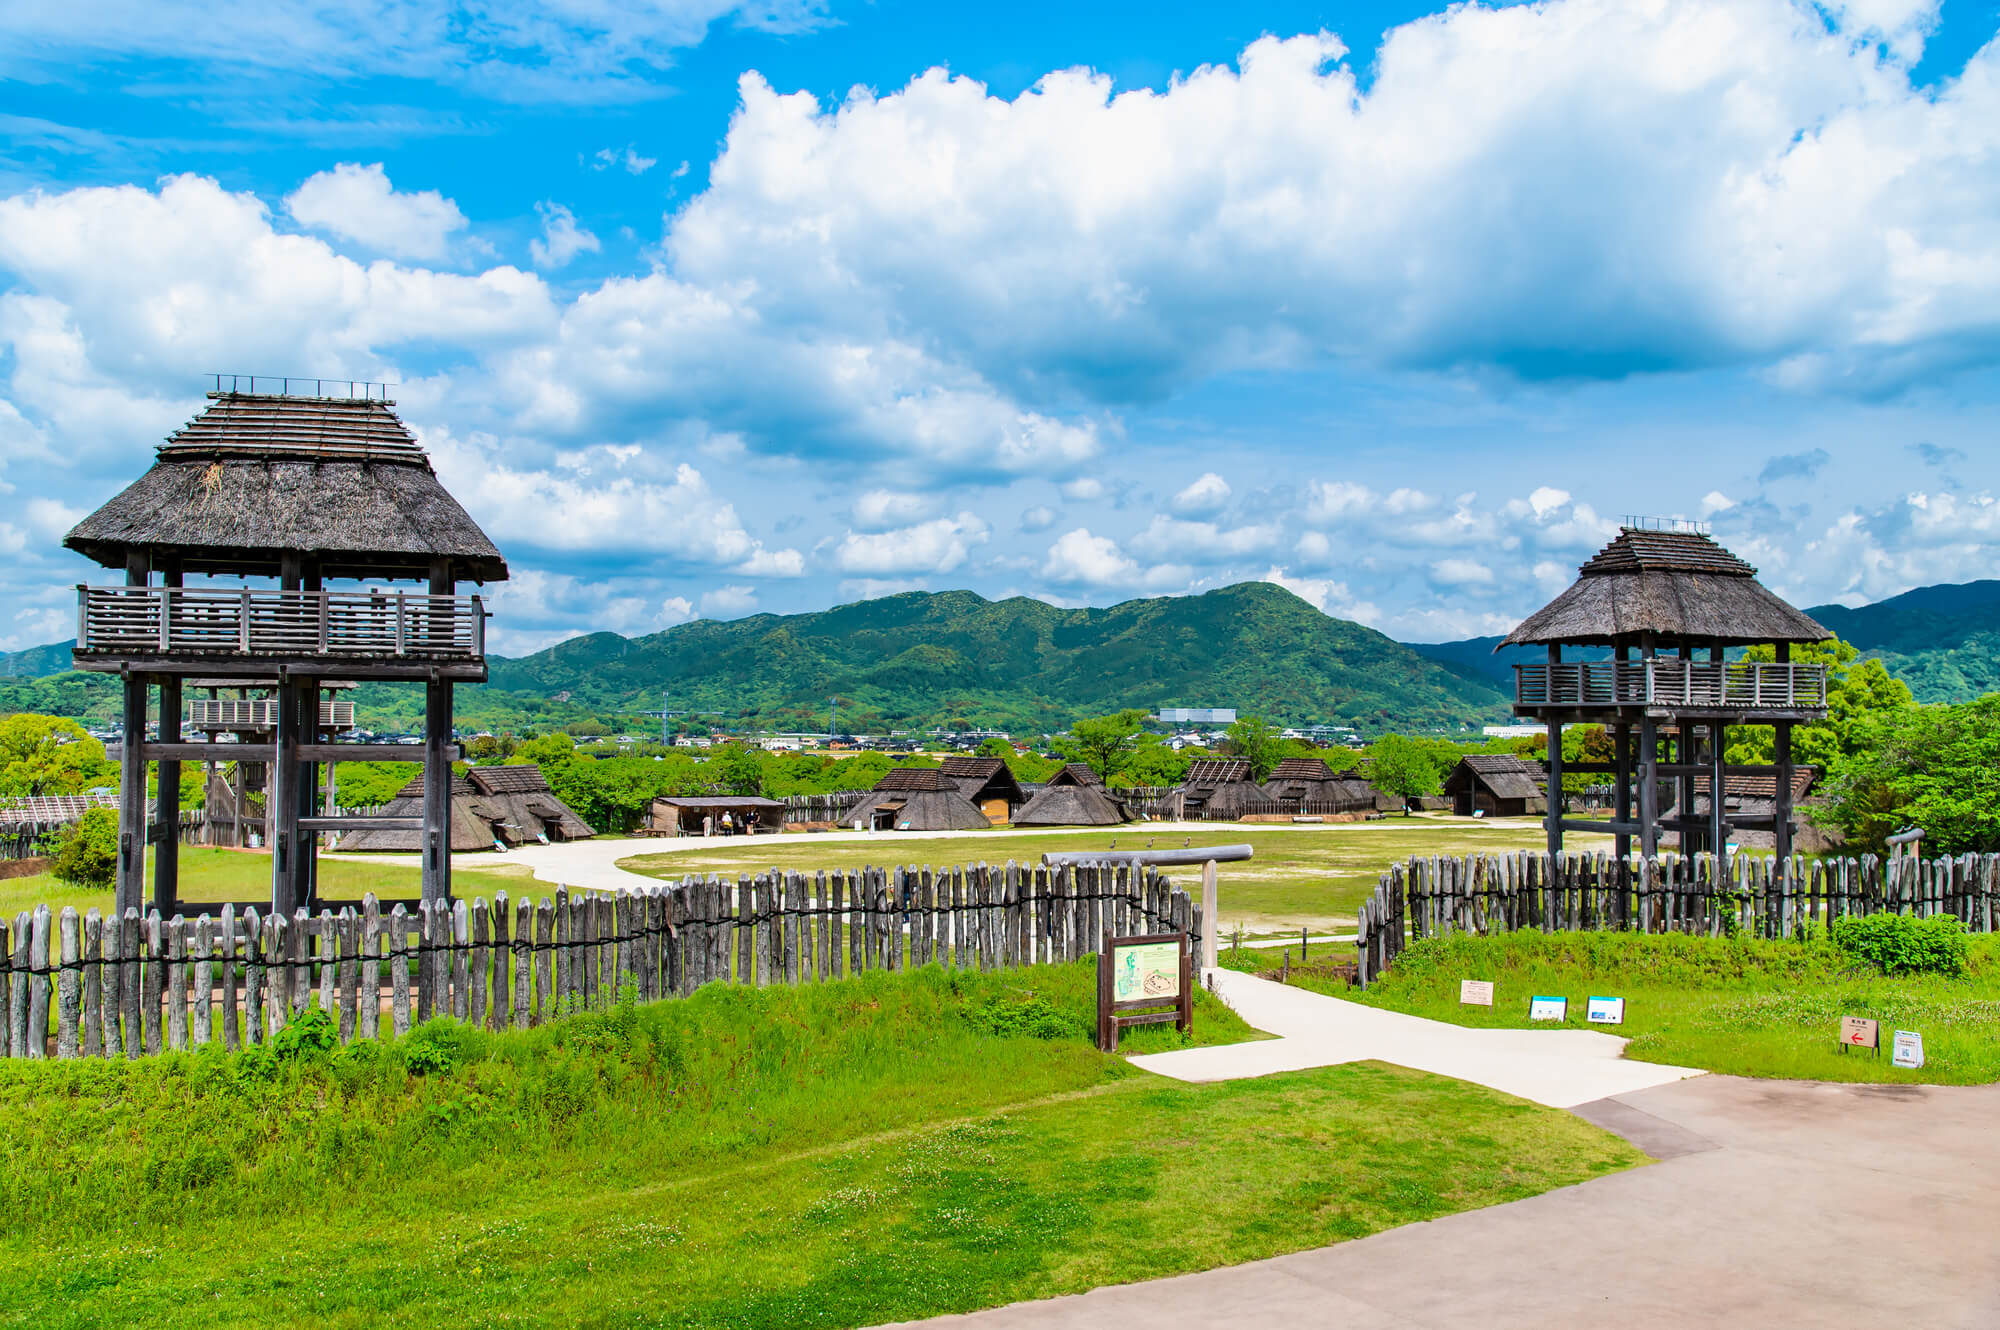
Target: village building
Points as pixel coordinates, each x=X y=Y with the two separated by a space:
x=1218 y=789
x=284 y=495
x=1750 y=807
x=492 y=808
x=713 y=814
x=1310 y=786
x=1670 y=604
x=1074 y=797
x=915 y=799
x=1497 y=785
x=989 y=783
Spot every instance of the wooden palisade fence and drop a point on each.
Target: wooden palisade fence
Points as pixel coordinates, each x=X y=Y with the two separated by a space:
x=141 y=984
x=1760 y=897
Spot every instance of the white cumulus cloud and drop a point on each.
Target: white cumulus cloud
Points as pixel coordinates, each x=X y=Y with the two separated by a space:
x=562 y=239
x=358 y=203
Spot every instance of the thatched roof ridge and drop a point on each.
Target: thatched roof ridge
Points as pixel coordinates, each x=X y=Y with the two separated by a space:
x=1217 y=771
x=250 y=480
x=1678 y=585
x=1303 y=768
x=942 y=809
x=1507 y=776
x=508 y=804
x=915 y=778
x=518 y=778
x=1070 y=805
x=1077 y=773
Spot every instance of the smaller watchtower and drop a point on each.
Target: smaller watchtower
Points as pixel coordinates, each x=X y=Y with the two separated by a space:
x=1665 y=604
x=261 y=550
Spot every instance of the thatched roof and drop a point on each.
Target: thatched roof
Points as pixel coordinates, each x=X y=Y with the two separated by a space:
x=915 y=778
x=1679 y=585
x=1217 y=771
x=982 y=778
x=942 y=809
x=251 y=479
x=1506 y=776
x=1303 y=768
x=1070 y=805
x=1077 y=773
x=511 y=805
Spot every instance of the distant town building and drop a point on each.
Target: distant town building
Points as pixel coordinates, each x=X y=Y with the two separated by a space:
x=1196 y=716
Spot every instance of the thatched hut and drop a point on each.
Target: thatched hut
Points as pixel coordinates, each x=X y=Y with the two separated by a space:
x=1219 y=788
x=1496 y=785
x=1750 y=805
x=1074 y=797
x=1310 y=785
x=989 y=783
x=492 y=808
x=915 y=799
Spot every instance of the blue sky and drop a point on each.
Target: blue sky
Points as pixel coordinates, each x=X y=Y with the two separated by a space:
x=707 y=308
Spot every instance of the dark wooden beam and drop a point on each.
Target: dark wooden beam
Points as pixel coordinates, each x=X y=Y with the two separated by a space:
x=265 y=752
x=360 y=822
x=254 y=668
x=130 y=893
x=167 y=800
x=437 y=791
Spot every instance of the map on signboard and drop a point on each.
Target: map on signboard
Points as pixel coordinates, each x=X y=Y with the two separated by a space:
x=1477 y=992
x=1150 y=972
x=1548 y=1009
x=1605 y=1011
x=1859 y=1032
x=1908 y=1049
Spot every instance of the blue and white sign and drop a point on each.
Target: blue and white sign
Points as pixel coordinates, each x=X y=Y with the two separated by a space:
x=1548 y=1008
x=1908 y=1050
x=1605 y=1011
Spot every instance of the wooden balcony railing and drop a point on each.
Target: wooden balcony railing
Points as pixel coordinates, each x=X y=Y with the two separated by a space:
x=259 y=713
x=202 y=621
x=1666 y=682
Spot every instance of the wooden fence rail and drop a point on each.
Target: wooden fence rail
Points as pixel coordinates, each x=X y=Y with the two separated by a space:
x=1761 y=897
x=96 y=986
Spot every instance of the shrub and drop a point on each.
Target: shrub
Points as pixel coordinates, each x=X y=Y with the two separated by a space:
x=1030 y=1015
x=87 y=855
x=1904 y=944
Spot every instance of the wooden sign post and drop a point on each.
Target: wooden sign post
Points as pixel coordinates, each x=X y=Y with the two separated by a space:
x=1140 y=975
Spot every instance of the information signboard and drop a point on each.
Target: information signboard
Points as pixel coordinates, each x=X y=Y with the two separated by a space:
x=1136 y=977
x=1860 y=1032
x=1605 y=1011
x=1908 y=1049
x=1548 y=1009
x=1475 y=992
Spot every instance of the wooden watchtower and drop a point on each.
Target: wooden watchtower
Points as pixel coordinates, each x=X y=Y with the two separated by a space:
x=1665 y=603
x=262 y=547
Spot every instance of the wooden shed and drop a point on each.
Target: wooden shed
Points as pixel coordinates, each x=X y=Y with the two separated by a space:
x=989 y=783
x=1074 y=797
x=1497 y=785
x=1310 y=785
x=492 y=808
x=915 y=799
x=700 y=814
x=1219 y=788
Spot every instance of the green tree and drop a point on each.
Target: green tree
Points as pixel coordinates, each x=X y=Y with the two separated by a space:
x=548 y=751
x=50 y=755
x=88 y=853
x=1936 y=767
x=1104 y=743
x=738 y=770
x=371 y=784
x=1857 y=692
x=996 y=747
x=1256 y=739
x=1403 y=767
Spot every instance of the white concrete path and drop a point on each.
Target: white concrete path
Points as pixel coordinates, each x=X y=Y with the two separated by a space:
x=1561 y=1068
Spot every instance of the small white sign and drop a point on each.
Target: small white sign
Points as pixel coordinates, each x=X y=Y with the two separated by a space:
x=1548 y=1009
x=1908 y=1050
x=1475 y=992
x=1606 y=1011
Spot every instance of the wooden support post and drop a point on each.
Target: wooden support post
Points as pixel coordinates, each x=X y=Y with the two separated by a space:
x=167 y=803
x=1621 y=740
x=1718 y=830
x=1209 y=926
x=437 y=791
x=1553 y=814
x=1649 y=788
x=281 y=797
x=1781 y=753
x=306 y=856
x=131 y=884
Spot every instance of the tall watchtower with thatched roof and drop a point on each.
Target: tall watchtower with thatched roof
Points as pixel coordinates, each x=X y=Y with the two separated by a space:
x=1668 y=603
x=234 y=547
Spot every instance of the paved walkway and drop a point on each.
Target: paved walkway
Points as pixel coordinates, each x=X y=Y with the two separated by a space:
x=1561 y=1068
x=1778 y=1204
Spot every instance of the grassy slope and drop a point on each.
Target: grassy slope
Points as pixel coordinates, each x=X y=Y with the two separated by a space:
x=1312 y=876
x=1742 y=1006
x=832 y=1155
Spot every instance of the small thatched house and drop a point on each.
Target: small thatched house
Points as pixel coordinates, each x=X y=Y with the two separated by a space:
x=1497 y=785
x=1219 y=788
x=696 y=815
x=989 y=783
x=492 y=808
x=1309 y=785
x=1750 y=806
x=915 y=799
x=1073 y=797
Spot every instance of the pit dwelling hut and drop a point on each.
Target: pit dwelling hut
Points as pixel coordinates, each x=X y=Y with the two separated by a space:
x=690 y=814
x=1497 y=785
x=294 y=512
x=492 y=808
x=1670 y=603
x=1218 y=788
x=1747 y=799
x=1310 y=785
x=915 y=799
x=989 y=783
x=1074 y=797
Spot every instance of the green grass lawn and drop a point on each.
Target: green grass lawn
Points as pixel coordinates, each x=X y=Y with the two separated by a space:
x=1744 y=1006
x=828 y=1155
x=1311 y=875
x=211 y=874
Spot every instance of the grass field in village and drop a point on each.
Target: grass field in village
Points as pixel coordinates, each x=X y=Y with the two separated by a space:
x=828 y=1155
x=1315 y=876
x=1745 y=1006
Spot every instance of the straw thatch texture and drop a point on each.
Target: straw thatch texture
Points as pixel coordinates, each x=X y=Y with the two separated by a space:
x=1071 y=805
x=1678 y=585
x=918 y=810
x=1497 y=785
x=1077 y=773
x=987 y=781
x=506 y=805
x=252 y=479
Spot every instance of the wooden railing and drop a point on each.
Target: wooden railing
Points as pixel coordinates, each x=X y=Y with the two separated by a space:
x=202 y=621
x=1749 y=685
x=259 y=713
